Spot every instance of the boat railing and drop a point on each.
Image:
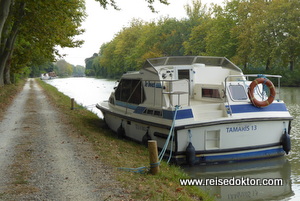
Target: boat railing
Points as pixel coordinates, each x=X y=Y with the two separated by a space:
x=177 y=92
x=246 y=78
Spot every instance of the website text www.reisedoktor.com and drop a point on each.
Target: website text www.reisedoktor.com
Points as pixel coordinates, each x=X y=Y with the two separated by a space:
x=243 y=181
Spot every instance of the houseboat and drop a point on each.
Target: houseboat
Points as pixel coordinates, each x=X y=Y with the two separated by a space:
x=207 y=109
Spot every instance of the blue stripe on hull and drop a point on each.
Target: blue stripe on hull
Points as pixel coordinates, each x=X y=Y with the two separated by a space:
x=181 y=114
x=188 y=113
x=242 y=156
x=168 y=114
x=275 y=107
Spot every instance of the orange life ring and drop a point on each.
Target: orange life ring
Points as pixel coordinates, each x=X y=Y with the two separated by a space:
x=271 y=87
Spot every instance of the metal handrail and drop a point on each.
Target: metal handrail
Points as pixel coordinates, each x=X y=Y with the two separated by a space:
x=246 y=77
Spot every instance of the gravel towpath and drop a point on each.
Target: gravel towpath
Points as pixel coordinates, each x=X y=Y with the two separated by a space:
x=42 y=159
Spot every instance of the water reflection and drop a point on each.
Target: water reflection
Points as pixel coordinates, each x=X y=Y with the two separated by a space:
x=290 y=95
x=85 y=91
x=292 y=98
x=247 y=173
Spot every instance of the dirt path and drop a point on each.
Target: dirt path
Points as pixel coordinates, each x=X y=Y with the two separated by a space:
x=43 y=159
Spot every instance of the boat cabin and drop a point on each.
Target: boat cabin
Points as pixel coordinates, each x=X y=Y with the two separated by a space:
x=169 y=81
x=204 y=101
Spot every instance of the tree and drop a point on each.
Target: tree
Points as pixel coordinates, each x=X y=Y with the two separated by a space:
x=89 y=62
x=285 y=15
x=78 y=71
x=171 y=34
x=268 y=32
x=37 y=70
x=63 y=68
x=199 y=22
x=219 y=39
x=195 y=12
x=42 y=24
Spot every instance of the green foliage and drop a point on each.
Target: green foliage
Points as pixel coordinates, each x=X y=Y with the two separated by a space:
x=63 y=68
x=78 y=71
x=141 y=40
x=34 y=29
x=7 y=95
x=253 y=34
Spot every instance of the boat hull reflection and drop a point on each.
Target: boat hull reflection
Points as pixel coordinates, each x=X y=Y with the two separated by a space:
x=268 y=171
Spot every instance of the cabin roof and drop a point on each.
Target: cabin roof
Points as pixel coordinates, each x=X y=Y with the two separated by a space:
x=150 y=64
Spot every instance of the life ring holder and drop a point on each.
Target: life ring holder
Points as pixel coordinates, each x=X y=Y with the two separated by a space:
x=269 y=84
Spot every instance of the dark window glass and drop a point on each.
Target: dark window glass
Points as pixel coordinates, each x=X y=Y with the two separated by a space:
x=130 y=91
x=210 y=93
x=183 y=74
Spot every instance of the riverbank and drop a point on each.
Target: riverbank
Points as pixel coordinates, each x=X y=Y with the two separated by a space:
x=7 y=95
x=122 y=153
x=42 y=157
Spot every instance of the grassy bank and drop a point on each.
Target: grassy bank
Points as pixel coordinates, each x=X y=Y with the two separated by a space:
x=123 y=153
x=7 y=94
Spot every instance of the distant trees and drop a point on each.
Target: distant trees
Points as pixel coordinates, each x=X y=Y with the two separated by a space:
x=253 y=34
x=65 y=69
x=92 y=66
x=78 y=71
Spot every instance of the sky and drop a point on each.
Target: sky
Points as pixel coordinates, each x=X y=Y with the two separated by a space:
x=101 y=25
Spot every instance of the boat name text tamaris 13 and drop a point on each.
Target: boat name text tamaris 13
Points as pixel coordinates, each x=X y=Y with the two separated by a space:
x=241 y=128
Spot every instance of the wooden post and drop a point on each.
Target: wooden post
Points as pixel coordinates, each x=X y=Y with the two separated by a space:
x=153 y=154
x=72 y=103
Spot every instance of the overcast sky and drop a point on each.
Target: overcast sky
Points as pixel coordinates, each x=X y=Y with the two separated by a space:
x=101 y=25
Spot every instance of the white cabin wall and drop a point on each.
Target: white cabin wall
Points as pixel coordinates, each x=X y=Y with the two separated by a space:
x=152 y=90
x=210 y=75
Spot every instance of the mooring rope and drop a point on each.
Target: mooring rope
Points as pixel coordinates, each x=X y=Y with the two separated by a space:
x=171 y=134
x=162 y=153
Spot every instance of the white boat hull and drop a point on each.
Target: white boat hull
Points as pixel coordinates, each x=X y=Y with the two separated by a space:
x=221 y=141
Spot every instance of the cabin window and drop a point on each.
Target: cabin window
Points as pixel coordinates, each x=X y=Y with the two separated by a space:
x=131 y=91
x=153 y=112
x=183 y=74
x=238 y=92
x=210 y=93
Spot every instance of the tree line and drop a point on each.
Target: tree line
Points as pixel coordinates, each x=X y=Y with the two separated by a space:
x=32 y=30
x=257 y=35
x=61 y=68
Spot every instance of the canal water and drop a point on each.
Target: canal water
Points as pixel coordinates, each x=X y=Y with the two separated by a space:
x=89 y=91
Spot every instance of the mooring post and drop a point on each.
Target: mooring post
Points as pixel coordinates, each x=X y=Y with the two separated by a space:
x=153 y=154
x=72 y=103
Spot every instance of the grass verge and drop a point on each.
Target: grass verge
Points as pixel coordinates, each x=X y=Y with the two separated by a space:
x=123 y=153
x=7 y=94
